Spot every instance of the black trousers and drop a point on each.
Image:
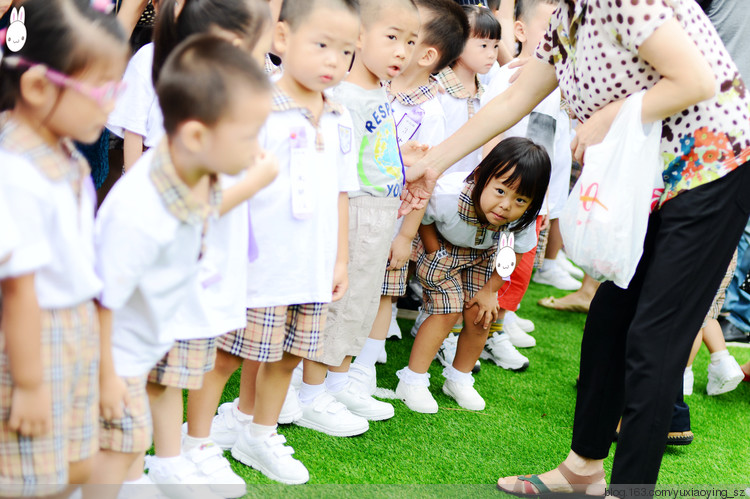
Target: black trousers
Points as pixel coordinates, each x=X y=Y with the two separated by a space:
x=637 y=340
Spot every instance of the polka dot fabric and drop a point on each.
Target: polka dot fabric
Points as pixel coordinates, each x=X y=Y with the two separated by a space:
x=594 y=44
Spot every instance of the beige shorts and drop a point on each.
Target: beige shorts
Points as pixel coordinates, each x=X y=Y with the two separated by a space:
x=132 y=432
x=371 y=224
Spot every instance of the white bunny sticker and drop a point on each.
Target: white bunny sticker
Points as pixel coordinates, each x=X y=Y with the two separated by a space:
x=15 y=37
x=505 y=261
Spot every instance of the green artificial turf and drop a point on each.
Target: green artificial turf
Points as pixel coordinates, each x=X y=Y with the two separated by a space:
x=526 y=427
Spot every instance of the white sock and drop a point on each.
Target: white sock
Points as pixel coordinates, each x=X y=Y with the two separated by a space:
x=457 y=376
x=260 y=431
x=141 y=480
x=189 y=443
x=167 y=464
x=370 y=352
x=239 y=415
x=335 y=382
x=689 y=369
x=717 y=357
x=411 y=378
x=510 y=317
x=307 y=393
x=548 y=264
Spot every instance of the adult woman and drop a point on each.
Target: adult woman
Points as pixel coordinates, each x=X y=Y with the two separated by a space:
x=637 y=340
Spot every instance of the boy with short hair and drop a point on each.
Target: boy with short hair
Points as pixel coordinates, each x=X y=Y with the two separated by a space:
x=300 y=221
x=386 y=42
x=152 y=227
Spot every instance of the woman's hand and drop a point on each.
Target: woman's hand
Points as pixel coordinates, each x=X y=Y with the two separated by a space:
x=593 y=130
x=420 y=182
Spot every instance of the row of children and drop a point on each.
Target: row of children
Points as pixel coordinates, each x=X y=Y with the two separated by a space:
x=259 y=229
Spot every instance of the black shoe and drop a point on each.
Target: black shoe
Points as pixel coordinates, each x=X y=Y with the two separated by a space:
x=732 y=332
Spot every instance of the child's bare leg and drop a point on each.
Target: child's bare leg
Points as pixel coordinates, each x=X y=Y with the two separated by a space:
x=343 y=368
x=313 y=373
x=166 y=413
x=554 y=240
x=429 y=338
x=80 y=471
x=696 y=347
x=248 y=379
x=713 y=337
x=379 y=329
x=110 y=470
x=202 y=403
x=471 y=341
x=271 y=387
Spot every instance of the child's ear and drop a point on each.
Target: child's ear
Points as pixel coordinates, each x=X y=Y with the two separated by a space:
x=519 y=29
x=281 y=31
x=36 y=90
x=429 y=57
x=358 y=46
x=193 y=135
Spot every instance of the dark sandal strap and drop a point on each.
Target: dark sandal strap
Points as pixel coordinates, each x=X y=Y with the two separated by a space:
x=535 y=481
x=579 y=482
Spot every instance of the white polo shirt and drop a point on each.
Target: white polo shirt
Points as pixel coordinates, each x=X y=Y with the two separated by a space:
x=297 y=253
x=548 y=120
x=55 y=228
x=148 y=260
x=137 y=110
x=430 y=117
x=442 y=210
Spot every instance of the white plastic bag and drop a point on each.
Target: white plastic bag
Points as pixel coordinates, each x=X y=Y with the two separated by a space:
x=604 y=221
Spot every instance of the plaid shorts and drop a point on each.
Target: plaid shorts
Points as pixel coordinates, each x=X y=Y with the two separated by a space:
x=132 y=432
x=271 y=331
x=394 y=282
x=451 y=275
x=718 y=302
x=185 y=364
x=541 y=248
x=70 y=356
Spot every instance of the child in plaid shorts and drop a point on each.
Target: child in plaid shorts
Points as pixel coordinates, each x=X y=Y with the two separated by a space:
x=460 y=231
x=152 y=232
x=49 y=342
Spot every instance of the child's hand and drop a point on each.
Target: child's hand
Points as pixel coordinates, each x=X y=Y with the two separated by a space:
x=545 y=223
x=340 y=281
x=31 y=410
x=412 y=151
x=113 y=398
x=486 y=300
x=400 y=252
x=264 y=169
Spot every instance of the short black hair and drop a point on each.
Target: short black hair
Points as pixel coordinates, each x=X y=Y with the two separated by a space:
x=293 y=12
x=483 y=22
x=447 y=30
x=523 y=8
x=529 y=167
x=199 y=76
x=371 y=9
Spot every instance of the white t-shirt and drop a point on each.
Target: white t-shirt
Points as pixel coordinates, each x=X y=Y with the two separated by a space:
x=456 y=115
x=549 y=124
x=297 y=256
x=442 y=210
x=428 y=115
x=148 y=260
x=10 y=238
x=56 y=233
x=137 y=110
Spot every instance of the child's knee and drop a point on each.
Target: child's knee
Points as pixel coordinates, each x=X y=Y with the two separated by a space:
x=226 y=363
x=79 y=472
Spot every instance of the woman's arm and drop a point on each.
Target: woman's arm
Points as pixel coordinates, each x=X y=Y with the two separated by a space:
x=129 y=13
x=132 y=148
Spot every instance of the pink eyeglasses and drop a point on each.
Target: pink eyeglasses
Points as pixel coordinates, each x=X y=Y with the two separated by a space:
x=102 y=95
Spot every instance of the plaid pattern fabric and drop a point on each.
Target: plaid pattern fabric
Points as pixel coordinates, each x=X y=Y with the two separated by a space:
x=394 y=282
x=271 y=331
x=270 y=68
x=70 y=166
x=713 y=311
x=468 y=213
x=185 y=364
x=282 y=102
x=416 y=96
x=132 y=432
x=450 y=82
x=541 y=248
x=70 y=356
x=451 y=275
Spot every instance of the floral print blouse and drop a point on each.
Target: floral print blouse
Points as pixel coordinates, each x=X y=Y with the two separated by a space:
x=594 y=44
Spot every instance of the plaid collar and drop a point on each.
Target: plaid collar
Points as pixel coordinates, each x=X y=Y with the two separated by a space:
x=417 y=96
x=270 y=68
x=70 y=165
x=455 y=88
x=468 y=213
x=176 y=196
x=283 y=102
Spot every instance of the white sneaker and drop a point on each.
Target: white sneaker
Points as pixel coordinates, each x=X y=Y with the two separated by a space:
x=364 y=378
x=291 y=410
x=296 y=380
x=363 y=405
x=687 y=382
x=271 y=457
x=417 y=397
x=394 y=331
x=556 y=277
x=465 y=394
x=567 y=266
x=327 y=415
x=180 y=480
x=447 y=352
x=501 y=351
x=142 y=488
x=382 y=356
x=724 y=377
x=211 y=463
x=418 y=321
x=525 y=324
x=226 y=426
x=517 y=337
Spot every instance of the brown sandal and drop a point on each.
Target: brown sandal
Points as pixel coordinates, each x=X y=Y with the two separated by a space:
x=532 y=485
x=551 y=302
